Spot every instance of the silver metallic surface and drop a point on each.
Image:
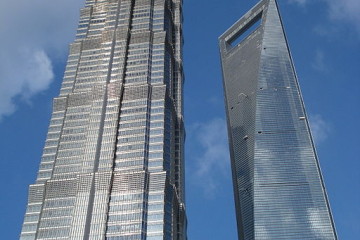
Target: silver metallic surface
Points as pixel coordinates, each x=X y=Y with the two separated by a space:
x=278 y=187
x=113 y=165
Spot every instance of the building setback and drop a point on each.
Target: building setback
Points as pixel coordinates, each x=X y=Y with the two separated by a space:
x=278 y=187
x=113 y=165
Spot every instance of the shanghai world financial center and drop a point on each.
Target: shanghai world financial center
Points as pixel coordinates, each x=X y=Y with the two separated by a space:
x=113 y=162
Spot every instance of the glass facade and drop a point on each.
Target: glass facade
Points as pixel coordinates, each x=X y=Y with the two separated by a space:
x=113 y=162
x=278 y=187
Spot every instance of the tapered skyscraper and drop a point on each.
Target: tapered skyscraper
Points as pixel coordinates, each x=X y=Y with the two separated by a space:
x=112 y=166
x=278 y=187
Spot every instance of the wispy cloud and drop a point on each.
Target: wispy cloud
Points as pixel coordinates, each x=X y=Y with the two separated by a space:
x=328 y=30
x=300 y=2
x=213 y=162
x=34 y=34
x=346 y=10
x=319 y=61
x=320 y=129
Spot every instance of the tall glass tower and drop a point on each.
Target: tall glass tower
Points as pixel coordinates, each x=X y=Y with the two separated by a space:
x=278 y=187
x=113 y=162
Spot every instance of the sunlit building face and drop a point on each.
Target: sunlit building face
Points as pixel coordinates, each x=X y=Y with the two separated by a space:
x=278 y=187
x=112 y=166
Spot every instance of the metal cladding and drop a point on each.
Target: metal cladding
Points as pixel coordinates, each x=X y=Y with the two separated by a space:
x=113 y=162
x=278 y=187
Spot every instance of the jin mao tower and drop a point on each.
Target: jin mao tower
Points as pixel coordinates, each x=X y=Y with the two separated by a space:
x=113 y=166
x=278 y=186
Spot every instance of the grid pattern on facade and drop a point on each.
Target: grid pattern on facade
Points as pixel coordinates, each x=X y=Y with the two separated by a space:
x=113 y=165
x=279 y=191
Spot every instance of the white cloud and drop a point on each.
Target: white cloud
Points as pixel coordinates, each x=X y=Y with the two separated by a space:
x=31 y=74
x=320 y=129
x=34 y=35
x=214 y=161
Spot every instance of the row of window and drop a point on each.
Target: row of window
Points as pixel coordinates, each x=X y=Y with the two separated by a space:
x=132 y=103
x=67 y=169
x=126 y=207
x=129 y=164
x=126 y=237
x=131 y=147
x=60 y=212
x=131 y=139
x=31 y=218
x=74 y=130
x=56 y=222
x=68 y=161
x=46 y=166
x=130 y=197
x=44 y=174
x=56 y=203
x=70 y=153
x=78 y=109
x=124 y=228
x=51 y=143
x=133 y=110
x=29 y=227
x=133 y=124
x=137 y=216
x=137 y=131
x=130 y=155
x=54 y=233
x=133 y=117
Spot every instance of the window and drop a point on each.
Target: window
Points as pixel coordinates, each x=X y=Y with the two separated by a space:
x=245 y=31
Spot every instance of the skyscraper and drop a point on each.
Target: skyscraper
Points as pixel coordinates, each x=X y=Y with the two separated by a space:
x=278 y=186
x=113 y=165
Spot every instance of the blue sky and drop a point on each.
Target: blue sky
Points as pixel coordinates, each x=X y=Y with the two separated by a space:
x=324 y=37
